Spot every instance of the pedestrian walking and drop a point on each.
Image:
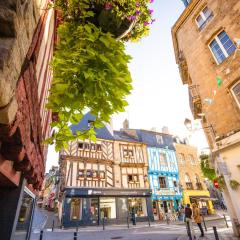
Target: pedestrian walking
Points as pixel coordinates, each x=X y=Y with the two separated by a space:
x=197 y=218
x=188 y=219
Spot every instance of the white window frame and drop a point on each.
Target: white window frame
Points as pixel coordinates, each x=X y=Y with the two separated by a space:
x=221 y=47
x=203 y=17
x=238 y=103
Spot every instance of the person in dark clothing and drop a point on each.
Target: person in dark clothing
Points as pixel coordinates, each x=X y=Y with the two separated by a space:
x=188 y=219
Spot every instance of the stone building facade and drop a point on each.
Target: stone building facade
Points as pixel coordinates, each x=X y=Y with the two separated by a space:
x=103 y=180
x=26 y=46
x=206 y=43
x=192 y=182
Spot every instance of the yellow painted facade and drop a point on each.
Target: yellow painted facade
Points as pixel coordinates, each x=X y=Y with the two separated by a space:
x=191 y=178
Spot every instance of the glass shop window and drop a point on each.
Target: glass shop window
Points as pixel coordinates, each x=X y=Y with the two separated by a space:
x=108 y=208
x=138 y=205
x=76 y=209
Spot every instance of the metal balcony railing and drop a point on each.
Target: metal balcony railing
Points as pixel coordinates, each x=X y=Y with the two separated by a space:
x=195 y=101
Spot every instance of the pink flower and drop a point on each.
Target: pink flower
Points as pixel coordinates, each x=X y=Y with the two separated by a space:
x=151 y=1
x=131 y=18
x=138 y=12
x=152 y=21
x=146 y=24
x=108 y=6
x=151 y=11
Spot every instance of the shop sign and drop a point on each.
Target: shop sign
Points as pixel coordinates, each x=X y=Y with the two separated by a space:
x=165 y=192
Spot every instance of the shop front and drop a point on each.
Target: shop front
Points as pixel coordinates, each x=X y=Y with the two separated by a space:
x=89 y=206
x=201 y=198
x=165 y=201
x=25 y=218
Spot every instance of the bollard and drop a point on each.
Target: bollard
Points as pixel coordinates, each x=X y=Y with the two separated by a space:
x=103 y=221
x=52 y=225
x=127 y=221
x=189 y=230
x=204 y=223
x=75 y=236
x=76 y=227
x=225 y=220
x=215 y=233
x=149 y=224
x=41 y=235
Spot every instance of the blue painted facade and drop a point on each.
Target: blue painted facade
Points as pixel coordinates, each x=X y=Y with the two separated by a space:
x=159 y=145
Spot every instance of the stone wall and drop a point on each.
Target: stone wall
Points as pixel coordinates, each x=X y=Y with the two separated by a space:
x=223 y=114
x=18 y=21
x=187 y=167
x=26 y=46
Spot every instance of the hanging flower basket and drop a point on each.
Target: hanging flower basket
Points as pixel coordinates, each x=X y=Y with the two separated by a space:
x=128 y=20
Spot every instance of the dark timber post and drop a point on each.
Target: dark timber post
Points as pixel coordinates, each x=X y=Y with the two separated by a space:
x=75 y=236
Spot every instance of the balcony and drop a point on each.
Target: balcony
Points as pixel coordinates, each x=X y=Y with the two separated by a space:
x=183 y=69
x=132 y=184
x=199 y=186
x=189 y=186
x=195 y=101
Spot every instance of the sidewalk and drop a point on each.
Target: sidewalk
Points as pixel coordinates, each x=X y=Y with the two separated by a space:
x=224 y=234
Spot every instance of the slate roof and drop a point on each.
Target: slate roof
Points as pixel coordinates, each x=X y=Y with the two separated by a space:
x=102 y=133
x=149 y=138
x=123 y=136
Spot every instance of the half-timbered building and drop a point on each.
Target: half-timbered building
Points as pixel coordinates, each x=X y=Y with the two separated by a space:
x=103 y=179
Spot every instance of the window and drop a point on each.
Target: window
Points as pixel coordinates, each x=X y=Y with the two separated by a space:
x=128 y=153
x=162 y=182
x=204 y=16
x=222 y=47
x=89 y=173
x=80 y=145
x=236 y=92
x=132 y=178
x=191 y=159
x=76 y=209
x=138 y=205
x=187 y=178
x=175 y=183
x=90 y=123
x=163 y=159
x=108 y=208
x=81 y=174
x=188 y=182
x=159 y=139
x=181 y=158
x=102 y=175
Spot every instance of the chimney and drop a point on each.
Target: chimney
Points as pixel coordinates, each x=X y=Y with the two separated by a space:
x=165 y=130
x=125 y=124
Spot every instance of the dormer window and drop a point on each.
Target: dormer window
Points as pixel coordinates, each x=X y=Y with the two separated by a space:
x=159 y=139
x=204 y=16
x=90 y=123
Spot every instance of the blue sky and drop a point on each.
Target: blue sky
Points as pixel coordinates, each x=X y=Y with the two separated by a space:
x=159 y=98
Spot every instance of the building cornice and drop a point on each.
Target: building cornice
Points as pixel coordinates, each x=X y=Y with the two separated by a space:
x=183 y=17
